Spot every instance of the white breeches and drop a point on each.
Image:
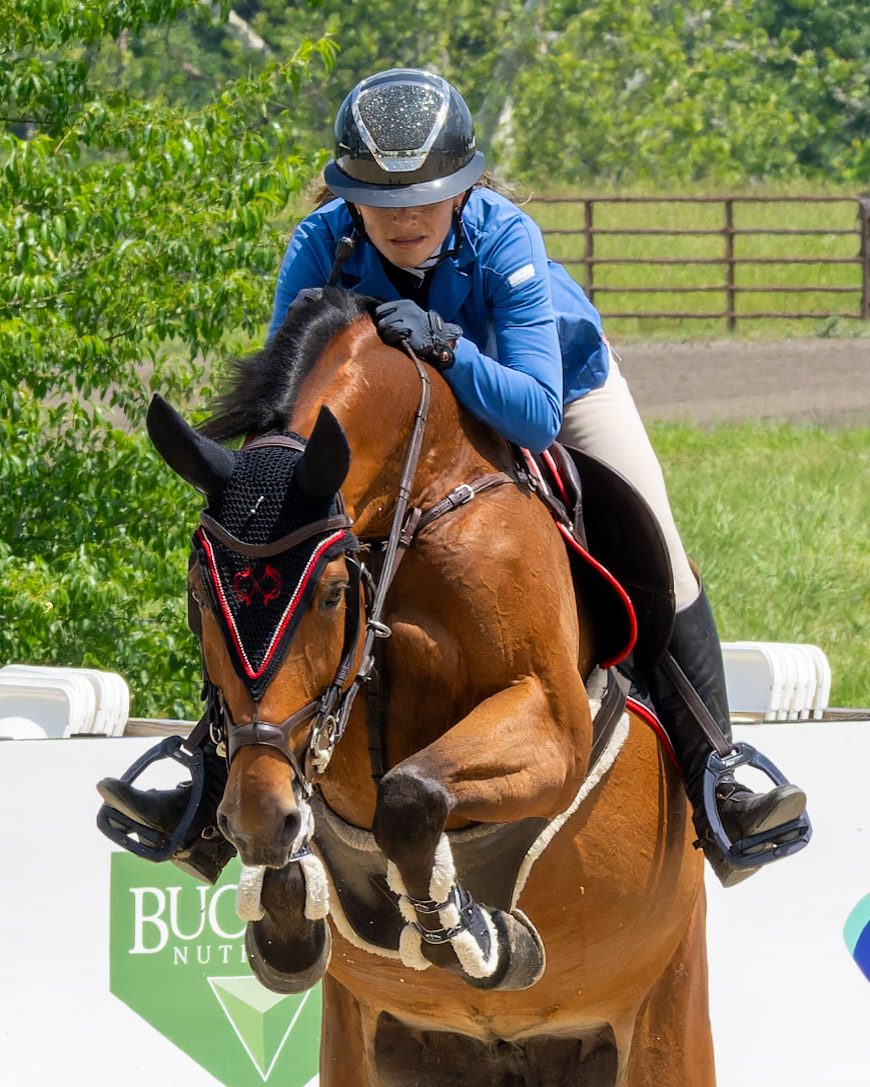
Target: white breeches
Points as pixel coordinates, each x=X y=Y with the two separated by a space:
x=606 y=423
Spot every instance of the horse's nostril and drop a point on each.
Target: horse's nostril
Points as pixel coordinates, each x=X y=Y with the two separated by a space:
x=292 y=823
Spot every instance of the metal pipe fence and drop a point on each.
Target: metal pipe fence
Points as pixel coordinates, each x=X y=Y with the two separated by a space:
x=732 y=260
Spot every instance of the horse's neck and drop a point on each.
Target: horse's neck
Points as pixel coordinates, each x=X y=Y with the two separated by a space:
x=376 y=392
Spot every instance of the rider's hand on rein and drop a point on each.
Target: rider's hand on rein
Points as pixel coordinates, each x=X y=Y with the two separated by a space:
x=427 y=333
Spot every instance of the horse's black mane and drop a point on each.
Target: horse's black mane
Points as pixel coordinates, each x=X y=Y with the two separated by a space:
x=263 y=386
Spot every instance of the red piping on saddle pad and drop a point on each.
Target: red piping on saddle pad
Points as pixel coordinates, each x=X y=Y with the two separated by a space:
x=623 y=595
x=650 y=718
x=573 y=542
x=557 y=476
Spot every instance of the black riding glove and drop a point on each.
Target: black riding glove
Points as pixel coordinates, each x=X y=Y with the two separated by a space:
x=426 y=333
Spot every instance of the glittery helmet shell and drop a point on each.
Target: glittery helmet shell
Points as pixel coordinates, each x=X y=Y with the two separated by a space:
x=403 y=137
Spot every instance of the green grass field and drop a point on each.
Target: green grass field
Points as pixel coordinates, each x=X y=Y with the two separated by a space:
x=777 y=518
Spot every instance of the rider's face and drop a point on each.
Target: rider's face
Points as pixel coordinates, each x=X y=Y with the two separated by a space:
x=408 y=236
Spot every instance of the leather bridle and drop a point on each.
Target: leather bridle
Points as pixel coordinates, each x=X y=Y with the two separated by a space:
x=330 y=711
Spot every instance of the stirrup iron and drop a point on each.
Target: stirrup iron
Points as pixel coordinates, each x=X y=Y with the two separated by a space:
x=799 y=831
x=137 y=837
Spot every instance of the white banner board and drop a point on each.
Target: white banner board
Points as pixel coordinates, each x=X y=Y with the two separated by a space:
x=788 y=1003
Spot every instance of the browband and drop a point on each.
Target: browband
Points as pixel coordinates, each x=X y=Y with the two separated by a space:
x=262 y=551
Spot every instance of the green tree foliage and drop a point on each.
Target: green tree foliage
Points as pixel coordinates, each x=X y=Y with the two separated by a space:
x=825 y=57
x=683 y=90
x=141 y=237
x=149 y=150
x=672 y=91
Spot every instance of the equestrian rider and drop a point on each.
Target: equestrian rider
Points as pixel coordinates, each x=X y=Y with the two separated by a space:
x=467 y=282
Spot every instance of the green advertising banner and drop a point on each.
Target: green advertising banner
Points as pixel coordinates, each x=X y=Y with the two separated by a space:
x=177 y=959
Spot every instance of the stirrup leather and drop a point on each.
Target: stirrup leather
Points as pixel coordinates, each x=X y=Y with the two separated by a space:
x=143 y=840
x=772 y=847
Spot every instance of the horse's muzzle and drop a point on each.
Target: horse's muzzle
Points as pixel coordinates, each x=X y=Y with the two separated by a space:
x=271 y=842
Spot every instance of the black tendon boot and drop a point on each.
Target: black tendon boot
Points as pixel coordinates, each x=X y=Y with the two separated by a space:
x=202 y=851
x=695 y=649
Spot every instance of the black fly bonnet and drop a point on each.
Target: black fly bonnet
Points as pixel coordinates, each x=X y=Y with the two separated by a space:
x=262 y=544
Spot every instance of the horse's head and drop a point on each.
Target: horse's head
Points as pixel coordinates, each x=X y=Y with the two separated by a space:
x=274 y=599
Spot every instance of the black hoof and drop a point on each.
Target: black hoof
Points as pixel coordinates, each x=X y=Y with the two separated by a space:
x=310 y=958
x=521 y=958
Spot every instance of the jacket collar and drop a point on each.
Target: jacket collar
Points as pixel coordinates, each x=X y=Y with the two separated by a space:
x=451 y=280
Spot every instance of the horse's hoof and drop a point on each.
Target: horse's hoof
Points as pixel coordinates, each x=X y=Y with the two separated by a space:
x=521 y=959
x=310 y=959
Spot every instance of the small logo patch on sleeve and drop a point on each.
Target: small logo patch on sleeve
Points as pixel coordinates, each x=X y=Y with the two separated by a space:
x=521 y=275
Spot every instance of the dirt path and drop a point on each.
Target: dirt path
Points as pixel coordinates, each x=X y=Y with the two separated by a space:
x=821 y=380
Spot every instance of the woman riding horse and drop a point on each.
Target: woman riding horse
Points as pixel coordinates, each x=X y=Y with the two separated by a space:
x=468 y=286
x=467 y=818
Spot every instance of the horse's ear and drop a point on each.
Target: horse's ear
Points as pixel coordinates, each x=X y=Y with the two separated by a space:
x=324 y=464
x=200 y=461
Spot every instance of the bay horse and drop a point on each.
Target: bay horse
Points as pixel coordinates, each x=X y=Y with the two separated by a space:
x=507 y=905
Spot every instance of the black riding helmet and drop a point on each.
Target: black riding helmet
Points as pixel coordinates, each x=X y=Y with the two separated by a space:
x=403 y=138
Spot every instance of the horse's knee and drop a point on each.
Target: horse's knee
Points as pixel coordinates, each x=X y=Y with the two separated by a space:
x=410 y=815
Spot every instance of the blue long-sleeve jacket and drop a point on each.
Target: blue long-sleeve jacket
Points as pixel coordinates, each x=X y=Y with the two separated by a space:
x=531 y=339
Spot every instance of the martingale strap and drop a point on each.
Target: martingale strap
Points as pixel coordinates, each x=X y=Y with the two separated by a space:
x=415 y=522
x=407 y=523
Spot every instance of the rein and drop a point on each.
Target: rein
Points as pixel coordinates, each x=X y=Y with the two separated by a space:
x=405 y=525
x=328 y=729
x=331 y=710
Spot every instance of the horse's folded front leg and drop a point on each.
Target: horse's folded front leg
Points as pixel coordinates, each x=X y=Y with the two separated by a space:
x=490 y=948
x=508 y=759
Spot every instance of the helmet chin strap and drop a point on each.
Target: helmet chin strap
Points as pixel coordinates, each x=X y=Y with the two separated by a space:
x=457 y=235
x=343 y=251
x=357 y=220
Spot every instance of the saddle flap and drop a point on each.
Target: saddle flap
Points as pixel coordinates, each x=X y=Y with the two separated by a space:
x=624 y=536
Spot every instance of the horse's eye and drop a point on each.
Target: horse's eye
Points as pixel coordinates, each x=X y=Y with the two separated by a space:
x=197 y=599
x=333 y=595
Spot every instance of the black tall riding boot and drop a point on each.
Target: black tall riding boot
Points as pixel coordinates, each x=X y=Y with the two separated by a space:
x=695 y=647
x=203 y=851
